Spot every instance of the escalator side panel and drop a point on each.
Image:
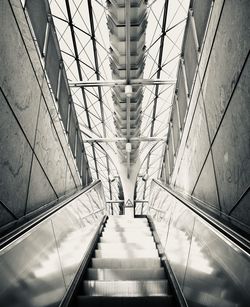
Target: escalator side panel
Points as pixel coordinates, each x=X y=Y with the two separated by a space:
x=211 y=269
x=37 y=268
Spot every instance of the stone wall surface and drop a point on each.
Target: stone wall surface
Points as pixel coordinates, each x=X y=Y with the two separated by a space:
x=36 y=163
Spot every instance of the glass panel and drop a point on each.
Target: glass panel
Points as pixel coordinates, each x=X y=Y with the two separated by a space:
x=166 y=165
x=211 y=270
x=218 y=274
x=72 y=129
x=84 y=170
x=179 y=240
x=190 y=55
x=63 y=101
x=171 y=155
x=30 y=272
x=201 y=12
x=79 y=151
x=182 y=97
x=176 y=130
x=38 y=12
x=52 y=61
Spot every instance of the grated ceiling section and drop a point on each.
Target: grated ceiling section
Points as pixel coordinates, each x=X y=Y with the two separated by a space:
x=127 y=22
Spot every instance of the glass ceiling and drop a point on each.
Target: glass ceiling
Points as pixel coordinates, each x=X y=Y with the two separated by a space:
x=77 y=22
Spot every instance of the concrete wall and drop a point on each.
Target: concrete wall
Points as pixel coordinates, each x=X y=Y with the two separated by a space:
x=212 y=162
x=36 y=163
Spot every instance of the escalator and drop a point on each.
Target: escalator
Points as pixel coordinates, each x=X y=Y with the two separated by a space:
x=126 y=268
x=176 y=256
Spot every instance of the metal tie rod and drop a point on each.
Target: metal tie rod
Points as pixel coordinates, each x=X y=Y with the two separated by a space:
x=133 y=139
x=112 y=83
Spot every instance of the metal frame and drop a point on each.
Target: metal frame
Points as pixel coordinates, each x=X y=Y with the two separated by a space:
x=91 y=19
x=133 y=139
x=82 y=86
x=128 y=64
x=156 y=93
x=112 y=83
x=70 y=22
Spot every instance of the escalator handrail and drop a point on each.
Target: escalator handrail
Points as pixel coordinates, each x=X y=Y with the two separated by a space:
x=242 y=243
x=17 y=233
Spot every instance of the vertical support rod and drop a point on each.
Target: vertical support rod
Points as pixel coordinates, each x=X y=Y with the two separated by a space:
x=172 y=137
x=46 y=39
x=128 y=64
x=128 y=165
x=127 y=12
x=59 y=80
x=168 y=160
x=68 y=117
x=178 y=114
x=75 y=144
x=185 y=79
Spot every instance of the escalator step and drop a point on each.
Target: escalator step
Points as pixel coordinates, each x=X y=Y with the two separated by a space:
x=126 y=269
x=139 y=232
x=100 y=301
x=129 y=253
x=125 y=274
x=126 y=288
x=125 y=227
x=114 y=263
x=123 y=239
x=127 y=246
x=127 y=223
x=139 y=235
